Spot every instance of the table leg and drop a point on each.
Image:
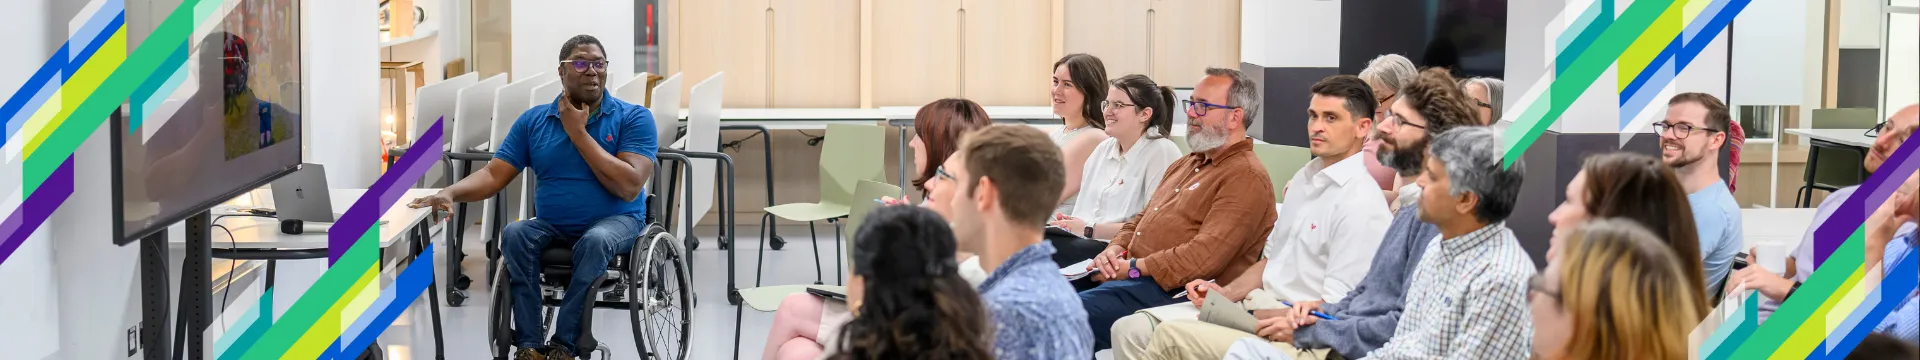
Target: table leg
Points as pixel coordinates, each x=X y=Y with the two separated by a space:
x=903 y=161
x=433 y=295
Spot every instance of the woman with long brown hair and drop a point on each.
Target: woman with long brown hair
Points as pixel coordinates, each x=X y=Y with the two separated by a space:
x=908 y=297
x=1615 y=292
x=1638 y=188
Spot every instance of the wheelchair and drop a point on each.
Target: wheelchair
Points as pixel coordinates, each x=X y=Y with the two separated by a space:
x=651 y=281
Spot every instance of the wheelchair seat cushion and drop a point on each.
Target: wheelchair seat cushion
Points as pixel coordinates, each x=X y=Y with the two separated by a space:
x=556 y=263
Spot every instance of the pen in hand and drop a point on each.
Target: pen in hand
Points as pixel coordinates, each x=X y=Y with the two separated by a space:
x=1315 y=313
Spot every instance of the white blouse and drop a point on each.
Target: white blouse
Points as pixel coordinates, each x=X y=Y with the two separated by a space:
x=1115 y=186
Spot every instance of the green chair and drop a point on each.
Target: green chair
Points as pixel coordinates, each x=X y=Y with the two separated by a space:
x=866 y=198
x=851 y=153
x=1281 y=162
x=1831 y=166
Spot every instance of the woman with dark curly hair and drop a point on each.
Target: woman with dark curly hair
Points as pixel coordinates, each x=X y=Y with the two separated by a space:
x=906 y=293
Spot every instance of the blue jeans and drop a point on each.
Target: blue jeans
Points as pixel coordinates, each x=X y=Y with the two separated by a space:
x=1112 y=300
x=521 y=244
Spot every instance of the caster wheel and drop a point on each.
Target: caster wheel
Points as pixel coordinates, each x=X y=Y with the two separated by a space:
x=777 y=243
x=733 y=298
x=456 y=298
x=462 y=282
x=693 y=243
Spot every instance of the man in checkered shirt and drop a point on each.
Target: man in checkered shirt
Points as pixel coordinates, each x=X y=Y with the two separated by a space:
x=1468 y=297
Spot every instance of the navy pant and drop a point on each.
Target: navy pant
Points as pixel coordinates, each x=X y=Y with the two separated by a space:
x=1112 y=300
x=521 y=244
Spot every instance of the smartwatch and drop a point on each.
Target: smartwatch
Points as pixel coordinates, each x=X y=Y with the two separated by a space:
x=1790 y=291
x=1133 y=268
x=1087 y=232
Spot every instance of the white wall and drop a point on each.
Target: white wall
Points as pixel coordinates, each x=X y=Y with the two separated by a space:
x=29 y=310
x=1769 y=41
x=1273 y=33
x=1859 y=23
x=539 y=28
x=342 y=91
x=1902 y=64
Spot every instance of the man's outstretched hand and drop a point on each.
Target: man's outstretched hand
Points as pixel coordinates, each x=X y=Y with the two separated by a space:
x=437 y=200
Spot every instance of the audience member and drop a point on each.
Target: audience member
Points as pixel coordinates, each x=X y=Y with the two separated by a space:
x=1124 y=169
x=1206 y=219
x=1079 y=83
x=803 y=319
x=1774 y=288
x=1690 y=141
x=1425 y=107
x=1891 y=245
x=1385 y=74
x=1485 y=93
x=1003 y=182
x=1617 y=292
x=1637 y=188
x=911 y=301
x=1467 y=299
x=1883 y=347
x=1324 y=244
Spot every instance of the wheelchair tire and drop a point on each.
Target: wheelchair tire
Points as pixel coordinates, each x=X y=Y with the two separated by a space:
x=661 y=299
x=500 y=322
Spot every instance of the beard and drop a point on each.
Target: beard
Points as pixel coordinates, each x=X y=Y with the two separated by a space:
x=1687 y=156
x=1404 y=159
x=1207 y=139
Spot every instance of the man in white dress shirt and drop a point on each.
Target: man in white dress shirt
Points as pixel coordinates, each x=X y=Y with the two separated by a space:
x=1326 y=236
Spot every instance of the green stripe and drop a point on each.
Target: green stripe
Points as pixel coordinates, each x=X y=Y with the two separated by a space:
x=1648 y=45
x=1815 y=297
x=1581 y=75
x=311 y=306
x=86 y=118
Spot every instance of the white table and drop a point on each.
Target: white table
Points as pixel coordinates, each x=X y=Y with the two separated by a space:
x=1774 y=233
x=901 y=117
x=259 y=238
x=795 y=118
x=1848 y=137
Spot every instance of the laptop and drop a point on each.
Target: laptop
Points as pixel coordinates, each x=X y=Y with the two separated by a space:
x=303 y=195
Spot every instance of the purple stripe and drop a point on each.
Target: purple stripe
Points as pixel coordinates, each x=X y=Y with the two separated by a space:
x=384 y=192
x=36 y=209
x=1853 y=213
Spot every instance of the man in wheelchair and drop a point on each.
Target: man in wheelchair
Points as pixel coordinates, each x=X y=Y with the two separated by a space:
x=593 y=155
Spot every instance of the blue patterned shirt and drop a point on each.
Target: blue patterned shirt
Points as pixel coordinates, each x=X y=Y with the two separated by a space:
x=1036 y=314
x=1467 y=300
x=1904 y=322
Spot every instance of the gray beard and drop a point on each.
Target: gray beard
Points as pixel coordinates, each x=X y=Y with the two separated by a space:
x=1206 y=140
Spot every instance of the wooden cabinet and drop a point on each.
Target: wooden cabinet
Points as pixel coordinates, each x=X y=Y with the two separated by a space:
x=1191 y=35
x=1006 y=55
x=724 y=35
x=815 y=55
x=1113 y=30
x=916 y=51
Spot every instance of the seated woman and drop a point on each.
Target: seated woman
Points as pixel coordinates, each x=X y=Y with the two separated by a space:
x=1079 y=82
x=1638 y=188
x=907 y=294
x=1124 y=169
x=1616 y=291
x=803 y=319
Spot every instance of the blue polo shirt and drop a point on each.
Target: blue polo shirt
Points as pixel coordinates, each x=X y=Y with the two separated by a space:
x=568 y=196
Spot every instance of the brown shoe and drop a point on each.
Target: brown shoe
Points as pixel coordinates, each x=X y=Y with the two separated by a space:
x=528 y=354
x=559 y=353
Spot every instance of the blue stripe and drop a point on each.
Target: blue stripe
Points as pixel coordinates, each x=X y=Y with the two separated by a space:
x=1893 y=289
x=1640 y=80
x=411 y=283
x=10 y=112
x=102 y=18
x=94 y=46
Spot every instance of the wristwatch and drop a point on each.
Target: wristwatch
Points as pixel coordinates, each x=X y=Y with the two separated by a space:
x=1790 y=291
x=1087 y=232
x=1133 y=268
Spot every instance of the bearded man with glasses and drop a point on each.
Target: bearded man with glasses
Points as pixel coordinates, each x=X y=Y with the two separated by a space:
x=593 y=154
x=1690 y=139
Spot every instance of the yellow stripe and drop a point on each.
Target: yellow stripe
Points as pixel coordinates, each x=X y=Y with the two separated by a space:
x=1644 y=48
x=82 y=84
x=1810 y=333
x=316 y=340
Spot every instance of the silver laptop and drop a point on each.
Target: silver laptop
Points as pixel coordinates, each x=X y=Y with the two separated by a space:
x=303 y=195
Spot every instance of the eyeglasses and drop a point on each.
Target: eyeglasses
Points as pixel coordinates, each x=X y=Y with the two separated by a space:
x=940 y=173
x=1875 y=131
x=1683 y=129
x=1113 y=105
x=1395 y=119
x=583 y=65
x=1482 y=103
x=1539 y=284
x=1383 y=100
x=1199 y=108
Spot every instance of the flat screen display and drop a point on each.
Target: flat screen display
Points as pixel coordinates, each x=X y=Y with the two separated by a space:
x=1467 y=36
x=232 y=124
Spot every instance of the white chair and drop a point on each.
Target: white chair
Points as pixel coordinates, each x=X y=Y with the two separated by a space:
x=703 y=136
x=475 y=112
x=543 y=94
x=666 y=109
x=437 y=101
x=508 y=103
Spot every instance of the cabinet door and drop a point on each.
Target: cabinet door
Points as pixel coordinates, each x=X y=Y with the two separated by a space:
x=916 y=51
x=816 y=53
x=1191 y=35
x=1113 y=30
x=724 y=35
x=1007 y=47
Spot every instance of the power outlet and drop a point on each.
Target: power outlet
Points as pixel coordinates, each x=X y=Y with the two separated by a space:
x=133 y=340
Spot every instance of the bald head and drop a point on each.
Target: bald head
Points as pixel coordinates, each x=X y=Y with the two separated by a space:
x=1898 y=128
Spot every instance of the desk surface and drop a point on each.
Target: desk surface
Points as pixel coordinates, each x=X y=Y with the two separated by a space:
x=997 y=113
x=1779 y=225
x=794 y=114
x=264 y=233
x=1854 y=137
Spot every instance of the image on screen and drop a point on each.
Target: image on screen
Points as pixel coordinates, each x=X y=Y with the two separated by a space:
x=232 y=125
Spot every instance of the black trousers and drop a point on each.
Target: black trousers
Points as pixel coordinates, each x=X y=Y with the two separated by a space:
x=1069 y=250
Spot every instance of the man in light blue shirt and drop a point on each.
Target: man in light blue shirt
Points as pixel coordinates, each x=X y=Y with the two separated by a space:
x=1690 y=139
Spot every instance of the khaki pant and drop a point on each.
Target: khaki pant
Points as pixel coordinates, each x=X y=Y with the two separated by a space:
x=1192 y=339
x=1135 y=334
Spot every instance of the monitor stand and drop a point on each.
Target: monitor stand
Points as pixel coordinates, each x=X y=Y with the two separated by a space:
x=195 y=292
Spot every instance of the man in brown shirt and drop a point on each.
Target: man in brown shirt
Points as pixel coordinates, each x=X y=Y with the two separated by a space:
x=1207 y=220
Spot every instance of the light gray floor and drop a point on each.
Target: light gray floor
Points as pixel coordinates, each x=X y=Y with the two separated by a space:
x=410 y=336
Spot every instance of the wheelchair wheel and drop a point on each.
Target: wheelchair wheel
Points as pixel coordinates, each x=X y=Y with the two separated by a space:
x=500 y=322
x=661 y=300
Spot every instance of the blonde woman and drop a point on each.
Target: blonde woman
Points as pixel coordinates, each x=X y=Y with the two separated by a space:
x=1615 y=292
